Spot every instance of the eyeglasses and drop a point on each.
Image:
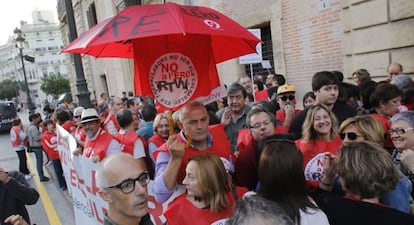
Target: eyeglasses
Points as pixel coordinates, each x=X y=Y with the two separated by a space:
x=290 y=97
x=128 y=185
x=399 y=131
x=77 y=117
x=260 y=124
x=351 y=136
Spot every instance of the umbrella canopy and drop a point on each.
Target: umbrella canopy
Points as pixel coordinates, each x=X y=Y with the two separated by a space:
x=174 y=47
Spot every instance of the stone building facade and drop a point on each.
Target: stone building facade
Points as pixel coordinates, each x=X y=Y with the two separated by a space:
x=300 y=37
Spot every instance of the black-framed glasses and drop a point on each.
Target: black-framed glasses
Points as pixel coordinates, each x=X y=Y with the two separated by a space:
x=127 y=186
x=399 y=131
x=351 y=135
x=260 y=124
x=290 y=97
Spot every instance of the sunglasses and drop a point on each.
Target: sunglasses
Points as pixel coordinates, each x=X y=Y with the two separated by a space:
x=290 y=97
x=77 y=117
x=351 y=136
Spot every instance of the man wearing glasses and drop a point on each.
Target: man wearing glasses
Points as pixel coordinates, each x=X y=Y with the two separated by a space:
x=122 y=183
x=286 y=100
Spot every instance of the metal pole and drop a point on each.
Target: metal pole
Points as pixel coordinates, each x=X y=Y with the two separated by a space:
x=251 y=77
x=29 y=99
x=81 y=85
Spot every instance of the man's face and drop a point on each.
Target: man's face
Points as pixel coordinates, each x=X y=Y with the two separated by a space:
x=247 y=84
x=327 y=94
x=269 y=80
x=134 y=107
x=91 y=128
x=118 y=105
x=236 y=101
x=195 y=122
x=134 y=204
x=261 y=126
x=393 y=70
x=286 y=99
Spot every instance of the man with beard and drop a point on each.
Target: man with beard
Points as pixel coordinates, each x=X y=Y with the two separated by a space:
x=233 y=117
x=99 y=143
x=127 y=199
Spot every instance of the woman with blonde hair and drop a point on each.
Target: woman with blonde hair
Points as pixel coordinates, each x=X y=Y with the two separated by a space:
x=366 y=128
x=161 y=128
x=366 y=173
x=209 y=198
x=319 y=140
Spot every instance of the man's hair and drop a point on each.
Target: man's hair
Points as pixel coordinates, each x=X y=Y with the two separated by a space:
x=148 y=112
x=112 y=101
x=256 y=109
x=399 y=64
x=235 y=87
x=130 y=102
x=33 y=116
x=244 y=76
x=366 y=169
x=124 y=118
x=189 y=106
x=324 y=78
x=280 y=79
x=62 y=115
x=370 y=128
x=103 y=94
x=259 y=208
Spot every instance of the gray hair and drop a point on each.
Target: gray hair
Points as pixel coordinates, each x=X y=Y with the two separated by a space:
x=256 y=109
x=261 y=209
x=403 y=81
x=407 y=116
x=78 y=110
x=193 y=104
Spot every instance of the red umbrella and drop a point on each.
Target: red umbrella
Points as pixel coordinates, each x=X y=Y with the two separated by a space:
x=175 y=48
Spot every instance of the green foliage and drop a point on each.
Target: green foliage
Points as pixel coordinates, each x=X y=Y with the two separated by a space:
x=55 y=85
x=9 y=89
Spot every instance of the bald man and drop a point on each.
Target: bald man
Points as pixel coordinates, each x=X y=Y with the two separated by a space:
x=394 y=69
x=122 y=183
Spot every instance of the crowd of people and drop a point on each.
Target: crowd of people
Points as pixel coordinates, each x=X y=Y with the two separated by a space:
x=254 y=157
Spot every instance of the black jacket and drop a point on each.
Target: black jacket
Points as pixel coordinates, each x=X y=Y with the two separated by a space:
x=15 y=195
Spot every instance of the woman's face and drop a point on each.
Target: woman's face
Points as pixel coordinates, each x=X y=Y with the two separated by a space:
x=163 y=128
x=391 y=107
x=322 y=122
x=191 y=180
x=50 y=127
x=309 y=101
x=351 y=134
x=357 y=81
x=402 y=135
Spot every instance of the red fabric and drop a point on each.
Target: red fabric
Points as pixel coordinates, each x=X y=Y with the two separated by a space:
x=111 y=118
x=80 y=134
x=182 y=212
x=220 y=146
x=261 y=95
x=313 y=155
x=280 y=115
x=51 y=138
x=69 y=126
x=157 y=140
x=246 y=166
x=99 y=146
x=386 y=125
x=147 y=32
x=15 y=138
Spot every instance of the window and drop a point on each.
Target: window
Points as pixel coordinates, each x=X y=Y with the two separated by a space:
x=267 y=51
x=91 y=15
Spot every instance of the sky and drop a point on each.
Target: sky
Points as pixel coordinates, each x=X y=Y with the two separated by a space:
x=13 y=11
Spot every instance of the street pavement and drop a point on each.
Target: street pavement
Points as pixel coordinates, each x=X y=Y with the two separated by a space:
x=54 y=207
